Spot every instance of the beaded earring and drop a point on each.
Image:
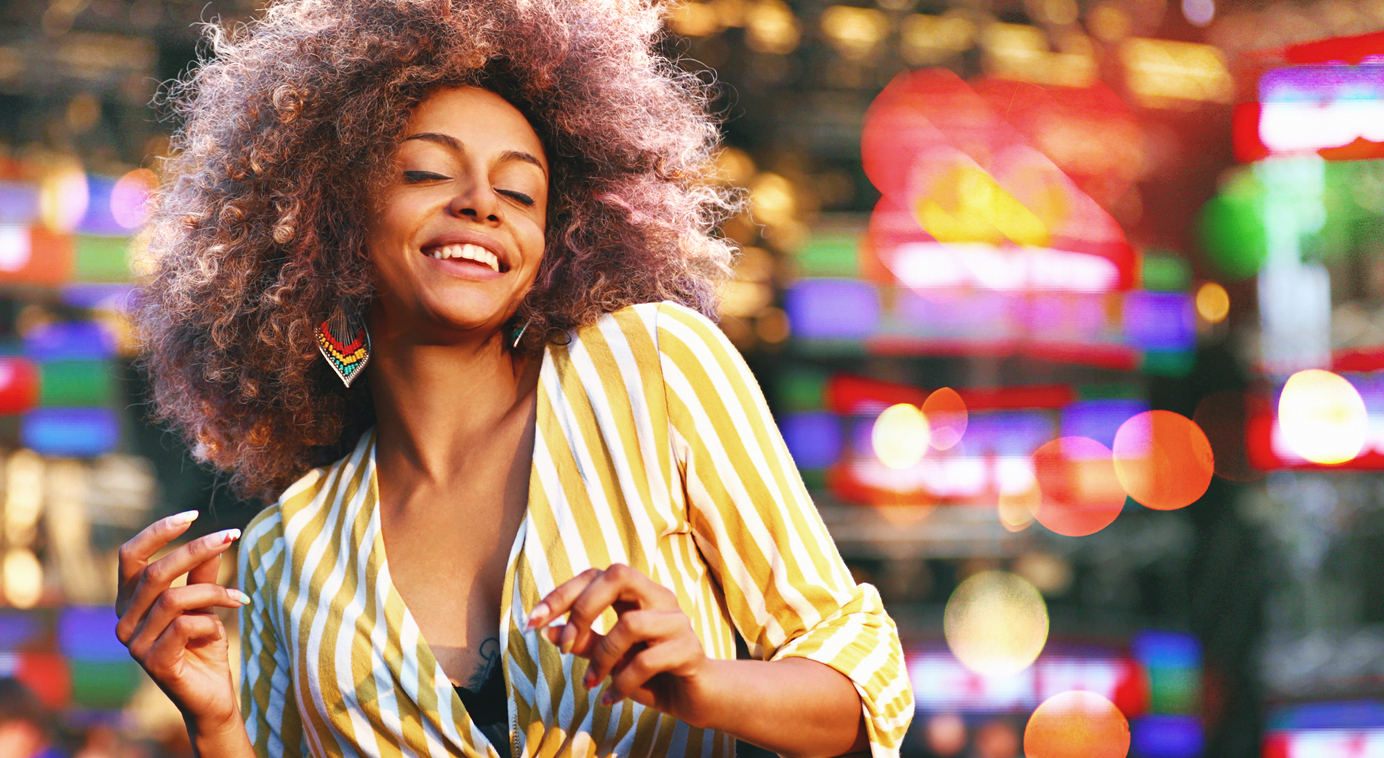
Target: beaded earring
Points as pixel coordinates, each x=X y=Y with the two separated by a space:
x=345 y=343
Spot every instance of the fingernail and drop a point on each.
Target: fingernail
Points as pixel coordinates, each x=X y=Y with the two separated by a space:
x=229 y=535
x=589 y=680
x=565 y=645
x=186 y=517
x=537 y=615
x=240 y=597
x=608 y=697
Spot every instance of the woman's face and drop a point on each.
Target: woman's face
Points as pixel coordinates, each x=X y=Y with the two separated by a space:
x=459 y=238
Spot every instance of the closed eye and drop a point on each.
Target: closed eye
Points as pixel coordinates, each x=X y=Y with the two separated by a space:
x=521 y=197
x=414 y=177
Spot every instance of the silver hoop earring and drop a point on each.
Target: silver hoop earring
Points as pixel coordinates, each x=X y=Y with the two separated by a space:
x=520 y=334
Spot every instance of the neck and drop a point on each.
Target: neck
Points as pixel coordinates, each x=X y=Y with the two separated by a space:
x=436 y=403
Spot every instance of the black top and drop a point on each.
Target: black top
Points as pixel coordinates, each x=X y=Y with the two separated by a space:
x=489 y=708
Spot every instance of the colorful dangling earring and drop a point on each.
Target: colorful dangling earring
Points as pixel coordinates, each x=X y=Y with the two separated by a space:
x=514 y=344
x=345 y=343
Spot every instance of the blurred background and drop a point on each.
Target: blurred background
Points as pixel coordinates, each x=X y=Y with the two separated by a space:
x=1071 y=313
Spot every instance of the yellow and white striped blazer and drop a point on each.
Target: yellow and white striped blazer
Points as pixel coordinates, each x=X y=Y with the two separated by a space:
x=653 y=447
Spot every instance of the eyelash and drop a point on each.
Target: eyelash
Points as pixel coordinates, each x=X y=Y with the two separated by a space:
x=415 y=177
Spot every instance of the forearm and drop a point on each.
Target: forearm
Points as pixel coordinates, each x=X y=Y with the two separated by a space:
x=226 y=739
x=794 y=706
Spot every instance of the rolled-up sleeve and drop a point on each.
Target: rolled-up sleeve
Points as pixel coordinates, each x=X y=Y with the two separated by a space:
x=267 y=703
x=788 y=591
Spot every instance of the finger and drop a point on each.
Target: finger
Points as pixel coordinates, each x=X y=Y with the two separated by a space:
x=634 y=629
x=177 y=601
x=629 y=680
x=206 y=572
x=135 y=553
x=160 y=575
x=172 y=644
x=619 y=583
x=559 y=600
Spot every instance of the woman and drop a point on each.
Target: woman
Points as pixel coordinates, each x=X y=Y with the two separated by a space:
x=505 y=210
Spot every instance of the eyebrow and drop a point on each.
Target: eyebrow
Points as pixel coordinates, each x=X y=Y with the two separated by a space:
x=447 y=140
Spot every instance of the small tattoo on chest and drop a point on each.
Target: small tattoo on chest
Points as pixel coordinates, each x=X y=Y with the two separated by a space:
x=490 y=658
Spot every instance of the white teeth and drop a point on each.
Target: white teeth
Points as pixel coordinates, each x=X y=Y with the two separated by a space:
x=468 y=252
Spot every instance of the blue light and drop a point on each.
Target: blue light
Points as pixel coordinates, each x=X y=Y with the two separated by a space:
x=1166 y=737
x=1155 y=648
x=98 y=219
x=16 y=629
x=814 y=439
x=1163 y=321
x=1099 y=419
x=69 y=341
x=832 y=309
x=88 y=634
x=71 y=432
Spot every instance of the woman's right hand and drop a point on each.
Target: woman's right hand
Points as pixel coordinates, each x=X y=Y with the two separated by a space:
x=173 y=631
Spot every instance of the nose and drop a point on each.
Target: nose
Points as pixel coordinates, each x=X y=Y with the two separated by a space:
x=476 y=201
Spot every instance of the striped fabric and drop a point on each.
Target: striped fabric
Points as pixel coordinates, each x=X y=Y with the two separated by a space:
x=654 y=447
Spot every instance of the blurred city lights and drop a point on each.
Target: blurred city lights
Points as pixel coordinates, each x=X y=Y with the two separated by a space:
x=23 y=577
x=1165 y=70
x=1322 y=417
x=946 y=734
x=1017 y=509
x=900 y=436
x=996 y=623
x=854 y=32
x=1077 y=724
x=770 y=27
x=63 y=196
x=130 y=197
x=1163 y=459
x=1213 y=302
x=946 y=417
x=1081 y=493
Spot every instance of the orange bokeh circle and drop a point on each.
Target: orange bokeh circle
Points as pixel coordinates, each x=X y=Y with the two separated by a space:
x=1081 y=494
x=946 y=416
x=1163 y=459
x=1077 y=724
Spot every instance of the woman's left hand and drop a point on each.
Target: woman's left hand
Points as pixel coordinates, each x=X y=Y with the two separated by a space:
x=651 y=654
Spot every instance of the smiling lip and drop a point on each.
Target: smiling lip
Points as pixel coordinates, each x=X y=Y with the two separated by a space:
x=462 y=238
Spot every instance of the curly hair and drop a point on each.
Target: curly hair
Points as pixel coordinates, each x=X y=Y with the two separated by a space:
x=290 y=124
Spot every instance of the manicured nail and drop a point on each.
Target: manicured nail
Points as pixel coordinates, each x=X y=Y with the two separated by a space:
x=589 y=680
x=229 y=535
x=537 y=615
x=240 y=597
x=186 y=517
x=608 y=697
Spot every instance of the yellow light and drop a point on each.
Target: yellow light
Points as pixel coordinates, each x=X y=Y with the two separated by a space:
x=996 y=623
x=772 y=199
x=63 y=196
x=734 y=166
x=1109 y=22
x=771 y=28
x=854 y=32
x=23 y=578
x=1213 y=302
x=1322 y=417
x=1020 y=52
x=744 y=299
x=925 y=40
x=1162 y=71
x=900 y=436
x=1017 y=509
x=970 y=206
x=694 y=19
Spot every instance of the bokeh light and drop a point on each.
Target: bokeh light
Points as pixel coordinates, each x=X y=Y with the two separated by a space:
x=1077 y=724
x=1017 y=509
x=1213 y=302
x=996 y=623
x=1081 y=493
x=946 y=417
x=1223 y=416
x=130 y=197
x=900 y=436
x=63 y=196
x=1163 y=459
x=945 y=734
x=23 y=578
x=1322 y=417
